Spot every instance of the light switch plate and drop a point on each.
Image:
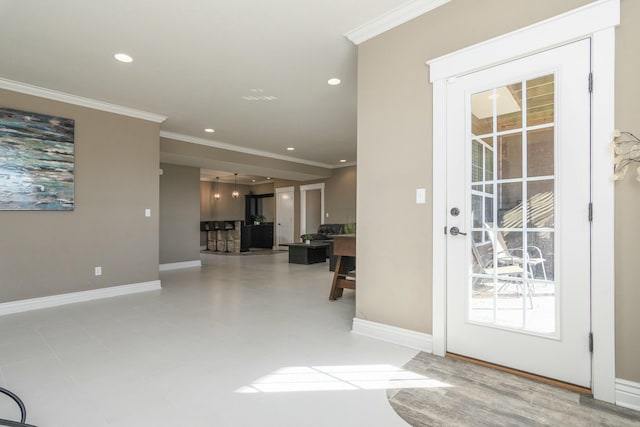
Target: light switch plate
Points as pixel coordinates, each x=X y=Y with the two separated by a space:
x=98 y=271
x=147 y=213
x=421 y=196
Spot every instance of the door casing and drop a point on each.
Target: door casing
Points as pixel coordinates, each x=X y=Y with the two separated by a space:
x=303 y=205
x=596 y=21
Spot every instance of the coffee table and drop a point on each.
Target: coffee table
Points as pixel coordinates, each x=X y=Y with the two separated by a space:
x=307 y=253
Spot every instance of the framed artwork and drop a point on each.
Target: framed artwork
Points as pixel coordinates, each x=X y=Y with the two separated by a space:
x=36 y=162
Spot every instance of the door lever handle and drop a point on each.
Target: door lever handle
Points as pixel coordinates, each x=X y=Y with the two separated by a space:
x=454 y=231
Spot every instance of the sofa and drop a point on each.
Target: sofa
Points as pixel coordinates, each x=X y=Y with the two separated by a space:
x=326 y=233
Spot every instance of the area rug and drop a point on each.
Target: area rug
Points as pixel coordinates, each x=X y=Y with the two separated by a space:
x=466 y=394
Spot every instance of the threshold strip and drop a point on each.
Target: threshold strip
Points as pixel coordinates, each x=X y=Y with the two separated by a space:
x=546 y=380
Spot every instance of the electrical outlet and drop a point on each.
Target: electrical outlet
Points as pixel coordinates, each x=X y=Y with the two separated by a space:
x=98 y=271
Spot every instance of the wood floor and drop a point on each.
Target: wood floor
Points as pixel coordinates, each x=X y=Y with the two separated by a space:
x=481 y=396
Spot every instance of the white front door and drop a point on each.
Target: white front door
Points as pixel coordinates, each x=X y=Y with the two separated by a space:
x=518 y=193
x=284 y=215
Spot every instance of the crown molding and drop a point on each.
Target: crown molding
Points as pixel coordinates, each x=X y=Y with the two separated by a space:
x=395 y=17
x=239 y=149
x=78 y=100
x=344 y=165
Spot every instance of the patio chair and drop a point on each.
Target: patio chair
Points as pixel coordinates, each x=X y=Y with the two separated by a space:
x=533 y=257
x=23 y=411
x=483 y=256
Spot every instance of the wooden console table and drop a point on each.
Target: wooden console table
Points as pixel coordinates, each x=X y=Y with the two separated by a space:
x=344 y=247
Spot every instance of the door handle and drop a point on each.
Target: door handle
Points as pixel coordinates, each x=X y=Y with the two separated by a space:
x=454 y=231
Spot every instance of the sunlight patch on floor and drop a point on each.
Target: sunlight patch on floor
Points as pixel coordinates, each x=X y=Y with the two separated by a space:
x=331 y=378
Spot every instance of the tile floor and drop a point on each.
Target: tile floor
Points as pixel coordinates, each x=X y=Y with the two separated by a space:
x=244 y=341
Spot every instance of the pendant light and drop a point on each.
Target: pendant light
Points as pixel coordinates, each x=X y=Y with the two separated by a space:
x=235 y=193
x=217 y=193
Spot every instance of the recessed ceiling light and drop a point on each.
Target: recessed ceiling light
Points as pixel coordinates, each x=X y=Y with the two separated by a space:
x=268 y=177
x=123 y=57
x=334 y=81
x=343 y=161
x=253 y=180
x=209 y=130
x=290 y=148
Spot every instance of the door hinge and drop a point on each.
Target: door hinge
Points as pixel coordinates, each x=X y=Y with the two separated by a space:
x=590 y=212
x=445 y=230
x=590 y=82
x=590 y=342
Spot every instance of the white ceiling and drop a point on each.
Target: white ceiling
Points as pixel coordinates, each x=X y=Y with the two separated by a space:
x=195 y=60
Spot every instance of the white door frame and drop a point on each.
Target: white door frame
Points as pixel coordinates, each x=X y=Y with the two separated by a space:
x=293 y=216
x=303 y=205
x=597 y=21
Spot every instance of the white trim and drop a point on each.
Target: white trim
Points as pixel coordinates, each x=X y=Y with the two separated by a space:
x=596 y=20
x=405 y=337
x=239 y=149
x=439 y=248
x=561 y=29
x=602 y=227
x=391 y=19
x=74 y=297
x=344 y=165
x=180 y=265
x=78 y=100
x=303 y=204
x=628 y=394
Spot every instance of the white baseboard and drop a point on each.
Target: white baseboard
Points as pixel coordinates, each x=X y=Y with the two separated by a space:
x=628 y=394
x=179 y=265
x=73 y=297
x=412 y=339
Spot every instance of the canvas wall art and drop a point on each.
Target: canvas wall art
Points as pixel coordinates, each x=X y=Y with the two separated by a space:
x=36 y=161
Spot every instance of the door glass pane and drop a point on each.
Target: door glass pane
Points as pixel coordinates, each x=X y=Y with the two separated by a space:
x=510 y=156
x=512 y=280
x=488 y=162
x=510 y=205
x=476 y=210
x=482 y=113
x=541 y=255
x=541 y=100
x=477 y=161
x=540 y=156
x=509 y=107
x=540 y=210
x=510 y=297
x=539 y=262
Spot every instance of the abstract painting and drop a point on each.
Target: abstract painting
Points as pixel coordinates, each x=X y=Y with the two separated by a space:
x=36 y=161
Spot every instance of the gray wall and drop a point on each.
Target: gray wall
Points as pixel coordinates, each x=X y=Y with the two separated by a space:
x=226 y=207
x=179 y=213
x=627 y=202
x=313 y=214
x=339 y=197
x=116 y=179
x=395 y=104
